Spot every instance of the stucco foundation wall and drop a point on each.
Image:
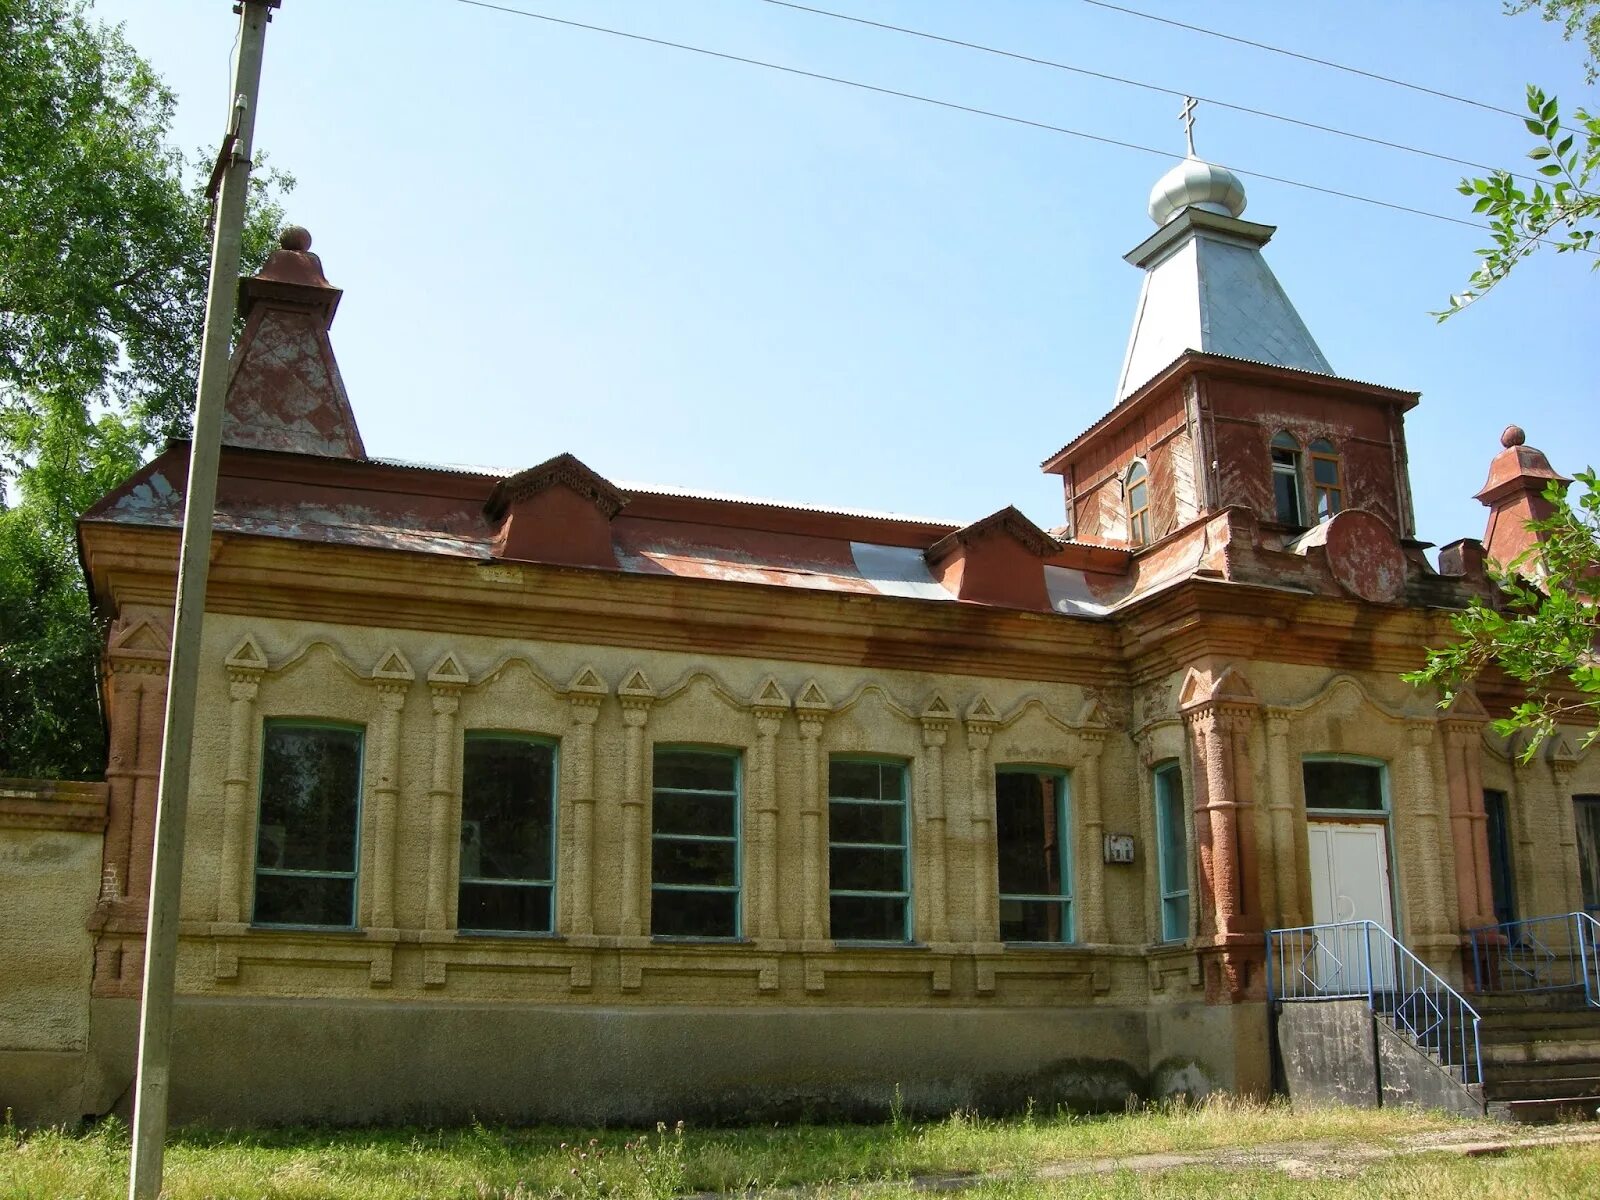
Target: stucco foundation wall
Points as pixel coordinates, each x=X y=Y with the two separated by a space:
x=273 y=1061
x=49 y=879
x=1196 y=1049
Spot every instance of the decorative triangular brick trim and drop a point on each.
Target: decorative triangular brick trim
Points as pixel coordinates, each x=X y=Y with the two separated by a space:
x=1094 y=715
x=981 y=710
x=938 y=709
x=247 y=655
x=142 y=637
x=812 y=698
x=637 y=684
x=769 y=693
x=448 y=671
x=588 y=680
x=1466 y=707
x=392 y=665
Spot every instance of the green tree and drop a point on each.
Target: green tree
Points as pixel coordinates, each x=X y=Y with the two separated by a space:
x=104 y=252
x=1545 y=629
x=1562 y=214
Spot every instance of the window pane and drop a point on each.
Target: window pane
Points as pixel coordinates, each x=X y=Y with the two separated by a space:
x=1137 y=498
x=1284 y=441
x=679 y=812
x=866 y=804
x=509 y=907
x=866 y=870
x=1174 y=848
x=304 y=900
x=694 y=914
x=1342 y=785
x=1028 y=828
x=695 y=770
x=1325 y=470
x=1175 y=918
x=711 y=864
x=1033 y=920
x=310 y=792
x=867 y=918
x=1328 y=502
x=852 y=779
x=1586 y=809
x=1286 y=490
x=880 y=824
x=507 y=797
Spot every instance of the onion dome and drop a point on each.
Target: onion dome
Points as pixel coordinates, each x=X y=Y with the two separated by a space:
x=1195 y=183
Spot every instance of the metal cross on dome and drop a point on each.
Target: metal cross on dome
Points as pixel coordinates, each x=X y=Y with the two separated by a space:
x=1187 y=117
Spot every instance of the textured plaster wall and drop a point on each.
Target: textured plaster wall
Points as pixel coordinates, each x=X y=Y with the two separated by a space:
x=49 y=879
x=785 y=720
x=48 y=883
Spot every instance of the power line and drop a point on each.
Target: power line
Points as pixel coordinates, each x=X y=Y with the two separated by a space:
x=1321 y=62
x=1149 y=87
x=952 y=105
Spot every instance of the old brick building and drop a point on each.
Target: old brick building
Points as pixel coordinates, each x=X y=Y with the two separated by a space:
x=538 y=794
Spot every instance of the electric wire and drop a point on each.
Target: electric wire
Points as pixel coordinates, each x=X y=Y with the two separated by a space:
x=1321 y=62
x=1028 y=122
x=1149 y=87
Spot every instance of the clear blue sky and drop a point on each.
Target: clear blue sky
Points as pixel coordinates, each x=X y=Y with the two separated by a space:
x=695 y=272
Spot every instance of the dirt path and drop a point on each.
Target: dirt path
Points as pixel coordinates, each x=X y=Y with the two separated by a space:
x=1300 y=1160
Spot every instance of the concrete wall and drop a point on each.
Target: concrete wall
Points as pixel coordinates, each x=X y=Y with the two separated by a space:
x=49 y=880
x=265 y=1061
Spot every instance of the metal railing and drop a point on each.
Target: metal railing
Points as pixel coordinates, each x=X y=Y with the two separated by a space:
x=1360 y=960
x=1539 y=954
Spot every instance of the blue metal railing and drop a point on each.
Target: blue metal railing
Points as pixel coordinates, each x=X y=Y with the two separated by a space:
x=1539 y=954
x=1360 y=960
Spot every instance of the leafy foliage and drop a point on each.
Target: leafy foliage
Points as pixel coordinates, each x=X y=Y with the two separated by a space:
x=1563 y=214
x=1545 y=632
x=1578 y=18
x=104 y=254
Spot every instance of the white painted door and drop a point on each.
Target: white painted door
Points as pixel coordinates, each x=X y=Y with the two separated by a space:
x=1350 y=882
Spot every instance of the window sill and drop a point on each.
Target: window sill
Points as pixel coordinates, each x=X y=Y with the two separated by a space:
x=514 y=935
x=337 y=930
x=848 y=944
x=675 y=939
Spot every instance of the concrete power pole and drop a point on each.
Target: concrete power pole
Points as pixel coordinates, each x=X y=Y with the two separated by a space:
x=172 y=803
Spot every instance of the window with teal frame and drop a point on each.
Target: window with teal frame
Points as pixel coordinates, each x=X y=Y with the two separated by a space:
x=508 y=834
x=308 y=825
x=869 y=873
x=1033 y=834
x=694 y=843
x=1172 y=851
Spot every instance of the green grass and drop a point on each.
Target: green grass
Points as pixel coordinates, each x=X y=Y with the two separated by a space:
x=1026 y=1156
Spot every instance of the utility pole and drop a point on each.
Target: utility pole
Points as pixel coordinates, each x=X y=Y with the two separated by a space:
x=230 y=182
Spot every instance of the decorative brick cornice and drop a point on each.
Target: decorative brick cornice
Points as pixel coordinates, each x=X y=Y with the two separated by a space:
x=1007 y=522
x=565 y=470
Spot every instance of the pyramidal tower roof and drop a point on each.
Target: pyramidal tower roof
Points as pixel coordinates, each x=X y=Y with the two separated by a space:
x=1206 y=285
x=284 y=388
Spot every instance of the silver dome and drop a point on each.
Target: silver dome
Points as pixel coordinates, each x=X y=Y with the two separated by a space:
x=1194 y=183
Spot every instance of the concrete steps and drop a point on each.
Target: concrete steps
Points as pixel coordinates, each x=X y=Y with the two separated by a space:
x=1541 y=1056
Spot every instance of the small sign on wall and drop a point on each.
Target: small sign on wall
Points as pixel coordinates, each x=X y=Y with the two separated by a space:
x=1119 y=847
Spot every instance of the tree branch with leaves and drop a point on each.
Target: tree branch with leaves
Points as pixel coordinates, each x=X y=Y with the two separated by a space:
x=1543 y=631
x=1562 y=215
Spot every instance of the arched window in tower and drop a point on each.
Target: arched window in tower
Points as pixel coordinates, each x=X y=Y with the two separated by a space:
x=1286 y=487
x=1136 y=488
x=1327 y=490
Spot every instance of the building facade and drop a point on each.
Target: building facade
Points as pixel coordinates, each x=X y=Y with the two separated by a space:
x=538 y=795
